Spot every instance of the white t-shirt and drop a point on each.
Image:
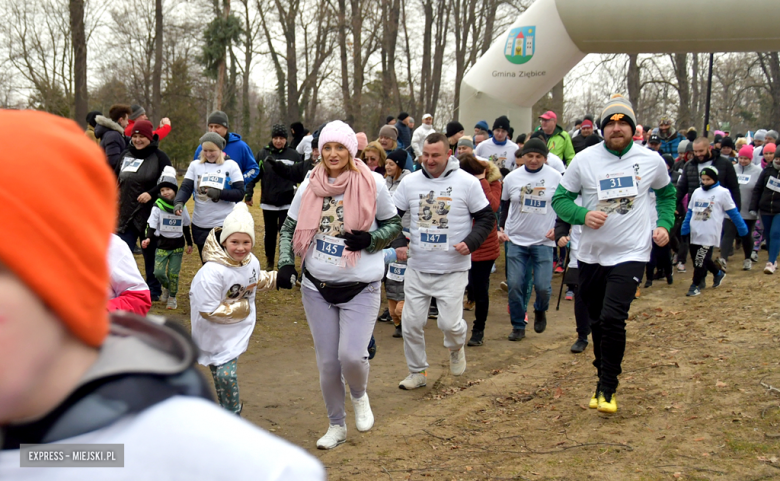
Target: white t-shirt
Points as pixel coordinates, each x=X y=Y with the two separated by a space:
x=304 y=147
x=440 y=211
x=214 y=285
x=531 y=214
x=503 y=156
x=324 y=258
x=625 y=184
x=181 y=438
x=556 y=163
x=122 y=269
x=709 y=208
x=207 y=213
x=168 y=225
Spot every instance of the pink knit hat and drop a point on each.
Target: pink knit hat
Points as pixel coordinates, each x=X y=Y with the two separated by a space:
x=362 y=140
x=746 y=151
x=338 y=131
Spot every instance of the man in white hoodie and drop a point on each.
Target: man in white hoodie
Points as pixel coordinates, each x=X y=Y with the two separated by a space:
x=420 y=133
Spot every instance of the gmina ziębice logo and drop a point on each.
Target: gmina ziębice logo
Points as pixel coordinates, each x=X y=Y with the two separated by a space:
x=520 y=45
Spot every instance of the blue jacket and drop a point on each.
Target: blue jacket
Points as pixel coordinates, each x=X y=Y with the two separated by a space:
x=669 y=145
x=238 y=151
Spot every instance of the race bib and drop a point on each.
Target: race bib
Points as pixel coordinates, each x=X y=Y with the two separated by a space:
x=171 y=223
x=396 y=272
x=434 y=239
x=130 y=164
x=533 y=204
x=216 y=181
x=329 y=249
x=743 y=179
x=614 y=186
x=774 y=184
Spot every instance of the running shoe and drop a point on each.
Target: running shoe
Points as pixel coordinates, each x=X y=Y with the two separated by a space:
x=172 y=304
x=164 y=295
x=517 y=335
x=398 y=332
x=607 y=403
x=433 y=312
x=385 y=316
x=468 y=305
x=458 y=361
x=579 y=345
x=770 y=268
x=414 y=380
x=477 y=338
x=723 y=263
x=693 y=291
x=754 y=256
x=594 y=400
x=670 y=277
x=569 y=295
x=559 y=269
x=680 y=267
x=718 y=279
x=747 y=265
x=540 y=321
x=336 y=435
x=648 y=283
x=364 y=418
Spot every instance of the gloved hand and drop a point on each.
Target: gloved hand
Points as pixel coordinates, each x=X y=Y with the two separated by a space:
x=213 y=194
x=753 y=213
x=357 y=240
x=286 y=277
x=179 y=207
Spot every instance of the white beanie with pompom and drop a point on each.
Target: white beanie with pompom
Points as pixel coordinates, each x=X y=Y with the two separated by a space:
x=240 y=220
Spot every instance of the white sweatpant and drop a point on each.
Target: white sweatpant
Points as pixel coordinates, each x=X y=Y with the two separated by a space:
x=419 y=288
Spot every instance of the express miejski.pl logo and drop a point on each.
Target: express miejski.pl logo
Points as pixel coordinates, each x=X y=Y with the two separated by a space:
x=520 y=45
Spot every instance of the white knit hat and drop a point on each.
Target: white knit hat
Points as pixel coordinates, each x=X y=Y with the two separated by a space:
x=240 y=220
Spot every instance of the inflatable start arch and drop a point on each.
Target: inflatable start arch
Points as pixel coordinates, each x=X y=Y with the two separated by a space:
x=552 y=36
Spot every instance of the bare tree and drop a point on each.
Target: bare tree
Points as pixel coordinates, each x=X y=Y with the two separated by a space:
x=79 y=41
x=158 y=62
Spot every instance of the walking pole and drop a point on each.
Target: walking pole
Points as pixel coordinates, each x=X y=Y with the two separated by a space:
x=565 y=270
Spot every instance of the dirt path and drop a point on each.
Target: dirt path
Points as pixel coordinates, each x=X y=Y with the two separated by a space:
x=690 y=402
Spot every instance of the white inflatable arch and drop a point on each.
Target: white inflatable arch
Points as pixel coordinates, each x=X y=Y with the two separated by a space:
x=552 y=36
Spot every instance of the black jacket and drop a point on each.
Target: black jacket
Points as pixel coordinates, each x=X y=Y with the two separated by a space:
x=581 y=143
x=112 y=139
x=690 y=179
x=132 y=184
x=765 y=199
x=275 y=190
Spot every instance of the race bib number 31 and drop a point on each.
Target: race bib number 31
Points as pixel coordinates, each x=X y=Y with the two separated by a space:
x=329 y=249
x=434 y=239
x=171 y=223
x=615 y=186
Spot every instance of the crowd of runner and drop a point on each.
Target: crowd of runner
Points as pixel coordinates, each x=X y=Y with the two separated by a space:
x=421 y=215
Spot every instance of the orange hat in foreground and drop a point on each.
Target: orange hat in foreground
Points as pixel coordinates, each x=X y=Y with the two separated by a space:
x=57 y=243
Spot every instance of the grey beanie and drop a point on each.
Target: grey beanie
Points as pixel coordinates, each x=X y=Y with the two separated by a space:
x=618 y=108
x=465 y=140
x=773 y=134
x=220 y=118
x=389 y=131
x=682 y=146
x=760 y=135
x=214 y=138
x=137 y=111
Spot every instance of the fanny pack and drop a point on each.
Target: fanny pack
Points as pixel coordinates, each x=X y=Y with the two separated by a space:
x=336 y=293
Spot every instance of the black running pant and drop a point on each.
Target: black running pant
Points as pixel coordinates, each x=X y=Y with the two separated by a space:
x=702 y=262
x=273 y=220
x=730 y=233
x=479 y=291
x=607 y=292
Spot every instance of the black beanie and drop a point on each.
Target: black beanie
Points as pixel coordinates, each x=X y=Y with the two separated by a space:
x=668 y=159
x=389 y=118
x=402 y=116
x=727 y=142
x=453 y=128
x=710 y=172
x=91 y=117
x=501 y=123
x=279 y=130
x=398 y=156
x=535 y=145
x=218 y=117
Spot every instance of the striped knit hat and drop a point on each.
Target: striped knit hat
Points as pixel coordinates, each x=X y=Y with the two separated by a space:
x=618 y=108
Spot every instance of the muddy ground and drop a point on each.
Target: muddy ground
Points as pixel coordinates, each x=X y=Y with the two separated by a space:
x=697 y=399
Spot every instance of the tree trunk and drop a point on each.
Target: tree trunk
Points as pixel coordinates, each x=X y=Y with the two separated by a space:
x=770 y=65
x=79 y=41
x=288 y=25
x=158 y=61
x=220 y=87
x=684 y=119
x=696 y=110
x=557 y=101
x=442 y=24
x=246 y=116
x=633 y=82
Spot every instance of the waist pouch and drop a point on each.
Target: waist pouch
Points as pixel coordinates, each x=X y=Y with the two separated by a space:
x=336 y=293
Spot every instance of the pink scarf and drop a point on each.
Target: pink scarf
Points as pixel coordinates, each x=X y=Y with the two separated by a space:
x=359 y=189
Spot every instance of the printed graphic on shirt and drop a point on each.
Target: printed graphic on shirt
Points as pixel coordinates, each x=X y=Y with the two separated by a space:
x=499 y=159
x=702 y=210
x=238 y=292
x=533 y=200
x=332 y=219
x=434 y=210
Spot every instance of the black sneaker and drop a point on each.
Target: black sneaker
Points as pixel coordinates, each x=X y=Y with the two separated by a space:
x=718 y=279
x=517 y=335
x=433 y=312
x=648 y=283
x=398 y=332
x=693 y=291
x=540 y=321
x=702 y=284
x=476 y=338
x=372 y=347
x=385 y=316
x=670 y=277
x=579 y=346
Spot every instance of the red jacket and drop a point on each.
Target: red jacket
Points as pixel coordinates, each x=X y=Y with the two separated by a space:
x=161 y=133
x=491 y=185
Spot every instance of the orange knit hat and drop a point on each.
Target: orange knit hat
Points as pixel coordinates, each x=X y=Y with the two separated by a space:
x=57 y=243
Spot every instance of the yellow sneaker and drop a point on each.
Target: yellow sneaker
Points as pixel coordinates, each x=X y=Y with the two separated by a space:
x=594 y=400
x=607 y=406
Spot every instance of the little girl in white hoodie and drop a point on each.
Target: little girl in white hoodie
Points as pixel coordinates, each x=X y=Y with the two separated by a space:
x=222 y=301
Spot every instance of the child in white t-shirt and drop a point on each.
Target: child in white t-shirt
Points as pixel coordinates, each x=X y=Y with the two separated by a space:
x=704 y=221
x=222 y=301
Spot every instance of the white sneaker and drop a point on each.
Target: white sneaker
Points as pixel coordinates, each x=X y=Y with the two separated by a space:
x=336 y=435
x=172 y=304
x=770 y=268
x=723 y=264
x=747 y=265
x=754 y=256
x=680 y=267
x=414 y=380
x=364 y=418
x=164 y=296
x=458 y=361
